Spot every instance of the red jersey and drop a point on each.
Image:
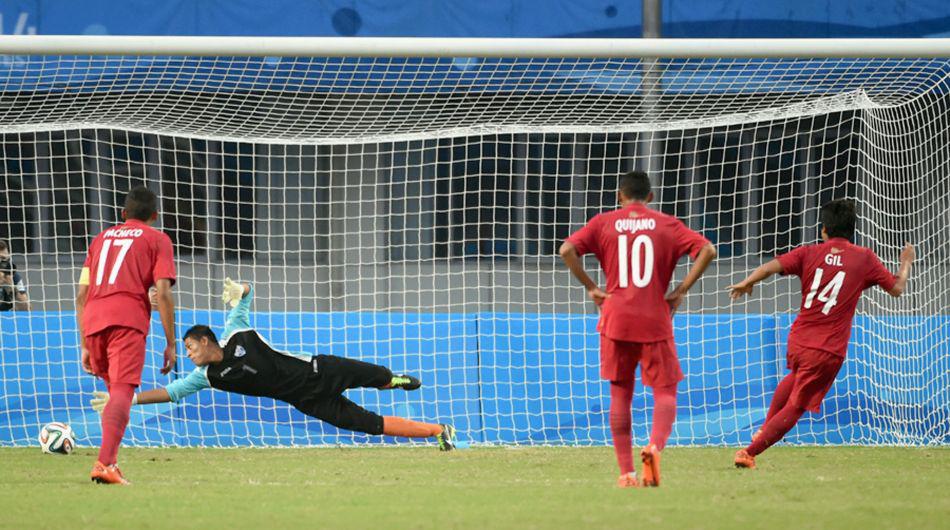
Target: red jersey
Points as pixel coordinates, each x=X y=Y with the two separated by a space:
x=123 y=262
x=638 y=248
x=834 y=274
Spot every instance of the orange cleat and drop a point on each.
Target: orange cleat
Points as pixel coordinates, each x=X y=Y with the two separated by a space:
x=650 y=456
x=628 y=480
x=744 y=459
x=103 y=474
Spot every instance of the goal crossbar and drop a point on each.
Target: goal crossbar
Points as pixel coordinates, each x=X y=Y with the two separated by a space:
x=468 y=47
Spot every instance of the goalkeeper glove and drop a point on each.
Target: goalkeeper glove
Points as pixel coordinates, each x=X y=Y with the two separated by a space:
x=101 y=399
x=233 y=292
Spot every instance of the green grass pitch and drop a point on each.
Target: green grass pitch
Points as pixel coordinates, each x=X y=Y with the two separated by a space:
x=418 y=487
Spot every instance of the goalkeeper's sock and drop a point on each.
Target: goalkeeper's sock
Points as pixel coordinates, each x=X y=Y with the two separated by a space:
x=621 y=397
x=396 y=426
x=776 y=428
x=664 y=414
x=115 y=417
x=780 y=397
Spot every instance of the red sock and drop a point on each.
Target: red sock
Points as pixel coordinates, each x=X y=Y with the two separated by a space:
x=115 y=417
x=664 y=414
x=780 y=398
x=395 y=426
x=621 y=397
x=776 y=428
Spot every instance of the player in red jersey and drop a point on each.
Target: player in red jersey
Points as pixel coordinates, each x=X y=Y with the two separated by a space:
x=638 y=249
x=113 y=312
x=835 y=273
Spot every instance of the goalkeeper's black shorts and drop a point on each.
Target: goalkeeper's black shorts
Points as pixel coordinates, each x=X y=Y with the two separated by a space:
x=334 y=375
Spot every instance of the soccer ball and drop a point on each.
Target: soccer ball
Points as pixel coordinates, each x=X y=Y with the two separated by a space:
x=57 y=438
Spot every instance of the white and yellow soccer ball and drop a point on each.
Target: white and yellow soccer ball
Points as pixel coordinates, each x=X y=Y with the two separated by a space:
x=57 y=438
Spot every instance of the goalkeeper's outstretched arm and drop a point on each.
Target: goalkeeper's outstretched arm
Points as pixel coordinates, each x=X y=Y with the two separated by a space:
x=238 y=296
x=175 y=391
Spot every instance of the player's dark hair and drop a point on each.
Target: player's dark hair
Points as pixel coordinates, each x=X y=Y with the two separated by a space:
x=141 y=203
x=634 y=185
x=198 y=331
x=4 y=245
x=838 y=218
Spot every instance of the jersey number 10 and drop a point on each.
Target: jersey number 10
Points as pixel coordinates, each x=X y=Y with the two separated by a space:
x=124 y=246
x=642 y=251
x=828 y=295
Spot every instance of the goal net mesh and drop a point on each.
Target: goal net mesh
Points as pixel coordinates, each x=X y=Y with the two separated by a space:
x=408 y=211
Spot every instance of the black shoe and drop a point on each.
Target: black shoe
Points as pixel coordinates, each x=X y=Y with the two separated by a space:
x=446 y=438
x=405 y=382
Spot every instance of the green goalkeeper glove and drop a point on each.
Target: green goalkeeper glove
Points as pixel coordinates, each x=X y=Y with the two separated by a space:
x=233 y=292
x=101 y=399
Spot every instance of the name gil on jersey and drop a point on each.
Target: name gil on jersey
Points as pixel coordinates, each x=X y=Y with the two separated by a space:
x=832 y=259
x=123 y=232
x=633 y=225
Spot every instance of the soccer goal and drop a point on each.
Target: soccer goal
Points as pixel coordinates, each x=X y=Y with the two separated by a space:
x=401 y=201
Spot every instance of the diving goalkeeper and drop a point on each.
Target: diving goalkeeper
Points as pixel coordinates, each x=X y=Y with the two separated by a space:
x=243 y=362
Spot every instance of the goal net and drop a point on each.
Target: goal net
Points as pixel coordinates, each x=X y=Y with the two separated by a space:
x=406 y=209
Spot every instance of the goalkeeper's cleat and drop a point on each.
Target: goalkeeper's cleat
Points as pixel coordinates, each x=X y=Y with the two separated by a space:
x=405 y=382
x=650 y=456
x=744 y=459
x=103 y=474
x=628 y=480
x=446 y=438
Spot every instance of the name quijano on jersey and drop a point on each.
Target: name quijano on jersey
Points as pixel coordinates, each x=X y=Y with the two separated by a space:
x=634 y=225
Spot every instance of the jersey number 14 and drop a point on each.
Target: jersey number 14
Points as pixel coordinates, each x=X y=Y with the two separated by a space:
x=639 y=266
x=828 y=295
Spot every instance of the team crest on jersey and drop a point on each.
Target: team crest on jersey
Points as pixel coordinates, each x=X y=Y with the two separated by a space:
x=239 y=351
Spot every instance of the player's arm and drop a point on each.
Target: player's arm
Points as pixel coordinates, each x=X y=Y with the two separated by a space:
x=238 y=296
x=166 y=311
x=174 y=392
x=82 y=293
x=762 y=272
x=703 y=259
x=572 y=259
x=908 y=255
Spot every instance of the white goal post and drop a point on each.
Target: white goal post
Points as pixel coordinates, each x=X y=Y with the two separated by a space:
x=401 y=200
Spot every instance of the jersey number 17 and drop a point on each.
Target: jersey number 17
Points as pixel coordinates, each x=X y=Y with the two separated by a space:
x=124 y=246
x=639 y=266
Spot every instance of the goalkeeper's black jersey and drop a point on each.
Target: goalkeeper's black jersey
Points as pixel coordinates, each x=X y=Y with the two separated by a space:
x=253 y=368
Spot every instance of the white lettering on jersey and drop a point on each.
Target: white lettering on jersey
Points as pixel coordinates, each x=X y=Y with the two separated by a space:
x=832 y=259
x=123 y=232
x=634 y=225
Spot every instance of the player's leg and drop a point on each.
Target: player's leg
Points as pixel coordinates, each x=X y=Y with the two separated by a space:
x=98 y=346
x=814 y=372
x=618 y=364
x=345 y=414
x=660 y=369
x=126 y=357
x=342 y=374
x=621 y=398
x=779 y=399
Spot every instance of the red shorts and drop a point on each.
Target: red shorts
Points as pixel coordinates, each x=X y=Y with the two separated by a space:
x=117 y=354
x=659 y=366
x=815 y=371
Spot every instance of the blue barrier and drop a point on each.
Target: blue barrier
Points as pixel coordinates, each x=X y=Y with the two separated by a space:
x=501 y=378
